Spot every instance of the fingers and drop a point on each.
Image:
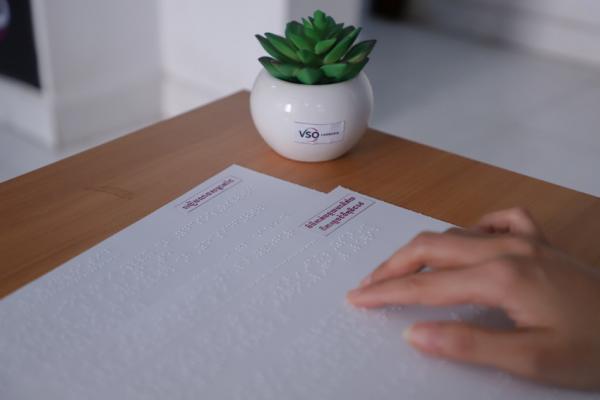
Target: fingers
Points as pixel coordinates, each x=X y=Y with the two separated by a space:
x=515 y=351
x=445 y=250
x=428 y=248
x=444 y=287
x=517 y=221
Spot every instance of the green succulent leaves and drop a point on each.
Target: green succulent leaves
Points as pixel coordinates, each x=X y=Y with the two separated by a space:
x=283 y=46
x=323 y=46
x=335 y=71
x=360 y=52
x=301 y=42
x=315 y=51
x=309 y=76
x=320 y=20
x=341 y=47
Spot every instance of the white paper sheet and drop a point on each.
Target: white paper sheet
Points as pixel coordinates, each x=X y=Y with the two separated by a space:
x=236 y=290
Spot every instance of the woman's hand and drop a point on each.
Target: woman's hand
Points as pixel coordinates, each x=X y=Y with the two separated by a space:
x=505 y=262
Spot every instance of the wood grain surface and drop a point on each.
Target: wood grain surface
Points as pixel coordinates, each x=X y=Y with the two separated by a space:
x=54 y=213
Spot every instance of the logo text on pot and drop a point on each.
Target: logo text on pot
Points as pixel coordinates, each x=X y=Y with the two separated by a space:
x=311 y=133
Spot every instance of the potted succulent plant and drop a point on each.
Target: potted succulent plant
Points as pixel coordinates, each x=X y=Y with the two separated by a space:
x=312 y=101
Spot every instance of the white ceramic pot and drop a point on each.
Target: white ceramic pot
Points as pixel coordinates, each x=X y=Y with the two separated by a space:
x=311 y=122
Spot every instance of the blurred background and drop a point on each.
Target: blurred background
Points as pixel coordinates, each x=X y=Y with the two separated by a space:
x=515 y=83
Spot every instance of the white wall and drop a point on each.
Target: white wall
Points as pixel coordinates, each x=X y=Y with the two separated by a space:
x=209 y=49
x=110 y=65
x=346 y=11
x=566 y=28
x=105 y=63
x=27 y=111
x=99 y=67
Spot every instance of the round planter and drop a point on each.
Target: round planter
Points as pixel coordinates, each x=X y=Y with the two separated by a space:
x=311 y=122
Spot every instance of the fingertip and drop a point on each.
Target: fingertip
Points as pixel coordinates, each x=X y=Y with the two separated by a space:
x=363 y=298
x=353 y=296
x=423 y=336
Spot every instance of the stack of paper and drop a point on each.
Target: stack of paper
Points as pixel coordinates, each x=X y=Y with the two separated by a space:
x=236 y=290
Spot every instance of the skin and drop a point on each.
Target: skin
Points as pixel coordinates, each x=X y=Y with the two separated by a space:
x=504 y=261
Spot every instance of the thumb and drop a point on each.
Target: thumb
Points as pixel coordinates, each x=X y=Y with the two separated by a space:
x=516 y=351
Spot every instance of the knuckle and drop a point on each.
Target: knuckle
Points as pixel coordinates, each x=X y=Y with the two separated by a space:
x=524 y=246
x=520 y=213
x=506 y=273
x=423 y=240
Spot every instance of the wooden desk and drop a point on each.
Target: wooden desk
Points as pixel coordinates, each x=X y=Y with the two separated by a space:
x=54 y=213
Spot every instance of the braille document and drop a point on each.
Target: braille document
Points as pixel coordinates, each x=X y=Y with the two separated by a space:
x=236 y=290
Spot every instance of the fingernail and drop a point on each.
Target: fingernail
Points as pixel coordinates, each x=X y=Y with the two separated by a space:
x=424 y=336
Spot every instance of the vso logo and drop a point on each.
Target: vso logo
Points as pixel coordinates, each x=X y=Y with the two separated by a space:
x=309 y=134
